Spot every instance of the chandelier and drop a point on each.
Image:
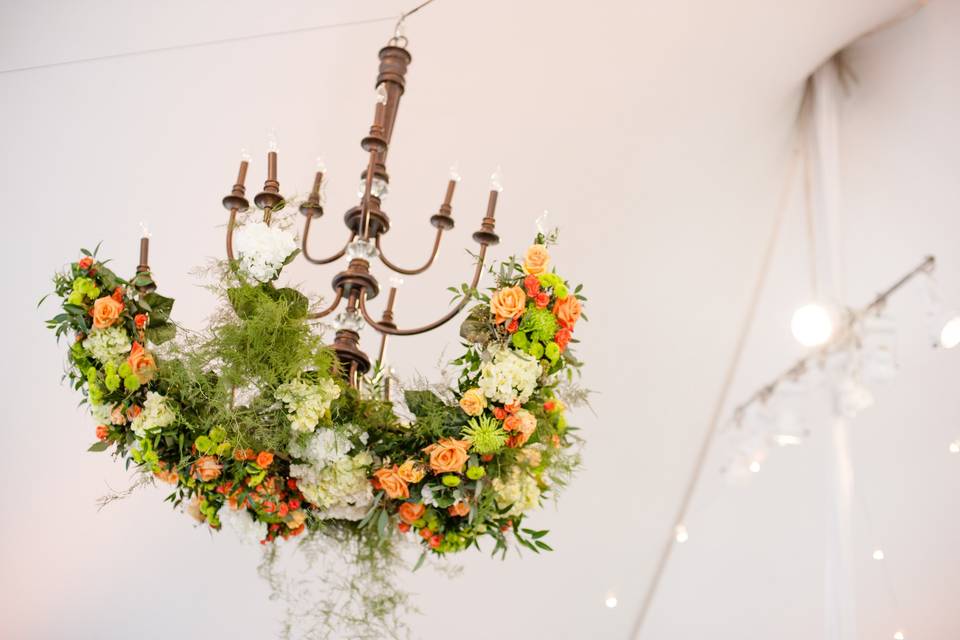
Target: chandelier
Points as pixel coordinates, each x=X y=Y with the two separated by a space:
x=366 y=223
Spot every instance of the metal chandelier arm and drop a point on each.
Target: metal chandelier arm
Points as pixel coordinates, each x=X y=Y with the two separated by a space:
x=412 y=272
x=437 y=323
x=333 y=307
x=306 y=252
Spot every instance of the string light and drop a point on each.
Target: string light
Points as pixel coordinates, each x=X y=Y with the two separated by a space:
x=878 y=554
x=681 y=534
x=950 y=333
x=898 y=635
x=755 y=467
x=955 y=446
x=812 y=325
x=611 y=601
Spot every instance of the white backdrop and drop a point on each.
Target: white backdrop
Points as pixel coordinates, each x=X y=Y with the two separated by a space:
x=658 y=136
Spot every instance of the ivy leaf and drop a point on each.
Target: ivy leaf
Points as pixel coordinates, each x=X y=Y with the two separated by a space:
x=162 y=333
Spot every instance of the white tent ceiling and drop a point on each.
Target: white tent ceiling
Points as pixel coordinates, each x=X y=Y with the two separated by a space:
x=658 y=136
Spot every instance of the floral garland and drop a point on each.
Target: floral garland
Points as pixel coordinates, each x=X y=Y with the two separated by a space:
x=254 y=427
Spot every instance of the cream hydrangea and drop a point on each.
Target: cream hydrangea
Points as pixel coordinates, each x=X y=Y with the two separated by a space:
x=263 y=249
x=156 y=414
x=519 y=491
x=332 y=479
x=507 y=376
x=107 y=345
x=101 y=413
x=307 y=402
x=248 y=529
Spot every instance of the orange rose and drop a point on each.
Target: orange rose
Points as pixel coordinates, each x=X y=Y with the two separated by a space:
x=411 y=471
x=448 y=455
x=536 y=260
x=264 y=459
x=106 y=310
x=102 y=431
x=164 y=473
x=473 y=402
x=410 y=512
x=523 y=423
x=141 y=363
x=567 y=311
x=508 y=303
x=207 y=468
x=390 y=481
x=459 y=509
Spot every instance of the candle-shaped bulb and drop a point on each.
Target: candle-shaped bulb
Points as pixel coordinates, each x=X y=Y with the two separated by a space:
x=455 y=172
x=396 y=282
x=144 y=231
x=244 y=155
x=321 y=164
x=543 y=222
x=496 y=180
x=272 y=141
x=381 y=95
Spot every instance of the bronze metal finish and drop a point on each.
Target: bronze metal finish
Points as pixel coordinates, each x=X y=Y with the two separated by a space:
x=144 y=266
x=356 y=285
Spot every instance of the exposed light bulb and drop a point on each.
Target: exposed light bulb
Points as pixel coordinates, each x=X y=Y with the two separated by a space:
x=272 y=141
x=812 y=325
x=955 y=446
x=455 y=172
x=321 y=164
x=396 y=282
x=496 y=180
x=681 y=534
x=950 y=332
x=244 y=155
x=878 y=554
x=611 y=601
x=898 y=635
x=145 y=231
x=755 y=467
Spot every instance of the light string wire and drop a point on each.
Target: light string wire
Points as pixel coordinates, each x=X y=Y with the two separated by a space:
x=721 y=401
x=697 y=471
x=221 y=41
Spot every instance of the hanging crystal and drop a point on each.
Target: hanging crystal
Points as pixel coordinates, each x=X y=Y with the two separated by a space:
x=360 y=248
x=349 y=320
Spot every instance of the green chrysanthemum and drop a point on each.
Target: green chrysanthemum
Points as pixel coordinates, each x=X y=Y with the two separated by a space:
x=539 y=323
x=486 y=434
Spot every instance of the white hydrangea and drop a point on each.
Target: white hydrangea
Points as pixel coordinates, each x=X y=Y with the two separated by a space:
x=519 y=491
x=330 y=478
x=262 y=250
x=107 y=345
x=307 y=402
x=340 y=489
x=156 y=414
x=248 y=529
x=507 y=375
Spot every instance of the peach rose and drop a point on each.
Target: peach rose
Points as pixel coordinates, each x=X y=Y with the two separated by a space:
x=411 y=471
x=448 y=455
x=194 y=510
x=523 y=423
x=116 y=416
x=459 y=509
x=390 y=481
x=567 y=311
x=536 y=260
x=207 y=468
x=410 y=512
x=142 y=363
x=508 y=303
x=102 y=431
x=296 y=518
x=106 y=311
x=164 y=473
x=473 y=402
